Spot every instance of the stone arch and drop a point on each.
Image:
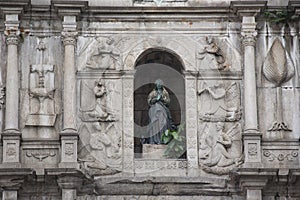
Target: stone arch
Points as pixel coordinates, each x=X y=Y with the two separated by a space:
x=175 y=47
x=150 y=65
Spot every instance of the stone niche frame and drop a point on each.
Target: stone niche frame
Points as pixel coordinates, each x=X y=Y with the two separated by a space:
x=188 y=166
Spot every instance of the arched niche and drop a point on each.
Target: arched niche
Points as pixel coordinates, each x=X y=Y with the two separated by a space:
x=153 y=64
x=183 y=52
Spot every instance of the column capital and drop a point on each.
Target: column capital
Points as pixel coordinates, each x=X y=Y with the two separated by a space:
x=69 y=33
x=12 y=40
x=69 y=37
x=248 y=31
x=12 y=31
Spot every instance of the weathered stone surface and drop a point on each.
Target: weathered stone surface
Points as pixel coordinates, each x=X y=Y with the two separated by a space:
x=74 y=81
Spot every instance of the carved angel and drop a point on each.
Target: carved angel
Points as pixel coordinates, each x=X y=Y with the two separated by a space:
x=223 y=103
x=213 y=49
x=105 y=56
x=101 y=112
x=214 y=149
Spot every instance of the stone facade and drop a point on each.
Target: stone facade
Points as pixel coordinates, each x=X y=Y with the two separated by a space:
x=74 y=81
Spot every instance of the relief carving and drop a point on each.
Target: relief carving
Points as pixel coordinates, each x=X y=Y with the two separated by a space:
x=11 y=151
x=220 y=102
x=102 y=154
x=40 y=155
x=278 y=68
x=252 y=149
x=41 y=92
x=271 y=156
x=213 y=52
x=105 y=55
x=220 y=150
x=101 y=112
x=2 y=96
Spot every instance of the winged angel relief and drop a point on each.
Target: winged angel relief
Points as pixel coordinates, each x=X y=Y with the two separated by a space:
x=220 y=102
x=220 y=150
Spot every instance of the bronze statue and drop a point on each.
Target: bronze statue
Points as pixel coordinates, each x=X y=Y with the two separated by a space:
x=159 y=113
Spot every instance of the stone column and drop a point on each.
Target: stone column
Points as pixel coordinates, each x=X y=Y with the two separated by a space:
x=11 y=134
x=191 y=123
x=68 y=194
x=253 y=188
x=69 y=186
x=69 y=134
x=10 y=185
x=9 y=195
x=128 y=121
x=251 y=135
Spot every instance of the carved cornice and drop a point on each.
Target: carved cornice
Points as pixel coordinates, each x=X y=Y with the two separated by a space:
x=69 y=8
x=248 y=8
x=13 y=7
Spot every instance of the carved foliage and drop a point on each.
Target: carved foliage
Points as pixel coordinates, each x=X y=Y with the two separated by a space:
x=278 y=67
x=289 y=156
x=40 y=155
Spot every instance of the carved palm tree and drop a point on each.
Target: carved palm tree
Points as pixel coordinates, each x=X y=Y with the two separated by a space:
x=278 y=68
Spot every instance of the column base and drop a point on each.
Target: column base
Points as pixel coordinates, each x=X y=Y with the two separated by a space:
x=69 y=194
x=10 y=165
x=73 y=165
x=252 y=148
x=69 y=138
x=10 y=195
x=252 y=165
x=11 y=148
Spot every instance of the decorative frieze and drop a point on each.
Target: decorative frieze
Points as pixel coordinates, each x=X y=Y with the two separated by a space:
x=40 y=155
x=289 y=156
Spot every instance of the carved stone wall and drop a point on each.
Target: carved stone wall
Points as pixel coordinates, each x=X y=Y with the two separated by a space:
x=68 y=81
